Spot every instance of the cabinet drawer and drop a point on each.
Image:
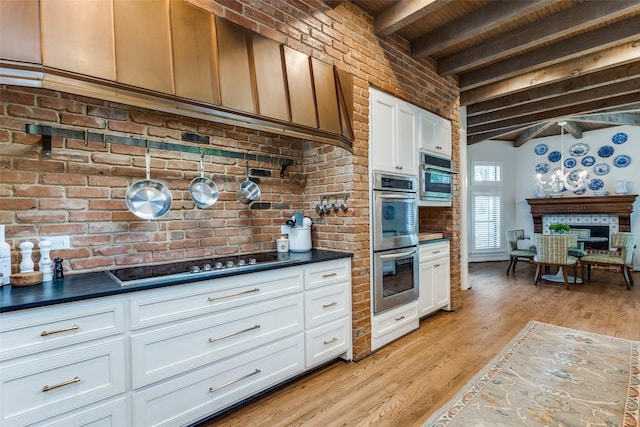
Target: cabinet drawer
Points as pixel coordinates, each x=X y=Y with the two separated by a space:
x=431 y=251
x=112 y=414
x=189 y=397
x=393 y=324
x=174 y=349
x=326 y=304
x=40 y=329
x=209 y=296
x=60 y=381
x=327 y=341
x=327 y=273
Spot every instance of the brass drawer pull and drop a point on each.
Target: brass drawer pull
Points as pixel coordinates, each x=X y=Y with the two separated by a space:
x=234 y=295
x=214 y=389
x=233 y=334
x=53 y=387
x=330 y=341
x=329 y=305
x=326 y=276
x=57 y=331
x=399 y=318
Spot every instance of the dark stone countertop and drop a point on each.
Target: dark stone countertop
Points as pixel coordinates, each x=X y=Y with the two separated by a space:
x=83 y=286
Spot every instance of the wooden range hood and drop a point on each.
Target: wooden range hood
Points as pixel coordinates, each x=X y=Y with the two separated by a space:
x=179 y=59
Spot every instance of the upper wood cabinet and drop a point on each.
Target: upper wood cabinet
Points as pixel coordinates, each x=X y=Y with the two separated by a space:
x=143 y=44
x=270 y=80
x=85 y=25
x=20 y=31
x=301 y=96
x=236 y=86
x=195 y=64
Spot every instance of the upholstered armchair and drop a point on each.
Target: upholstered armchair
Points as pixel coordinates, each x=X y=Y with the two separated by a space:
x=516 y=254
x=552 y=250
x=622 y=258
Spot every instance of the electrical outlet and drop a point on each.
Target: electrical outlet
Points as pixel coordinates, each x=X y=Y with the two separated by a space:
x=58 y=242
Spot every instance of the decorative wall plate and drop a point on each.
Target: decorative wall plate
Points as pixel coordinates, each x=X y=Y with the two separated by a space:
x=619 y=138
x=605 y=151
x=622 y=161
x=542 y=168
x=596 y=184
x=570 y=162
x=541 y=149
x=579 y=149
x=575 y=175
x=580 y=191
x=601 y=168
x=554 y=156
x=588 y=161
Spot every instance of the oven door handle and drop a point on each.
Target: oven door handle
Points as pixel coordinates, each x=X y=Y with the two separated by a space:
x=396 y=196
x=397 y=255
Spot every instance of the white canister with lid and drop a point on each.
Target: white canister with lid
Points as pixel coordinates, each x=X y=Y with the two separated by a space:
x=282 y=244
x=300 y=239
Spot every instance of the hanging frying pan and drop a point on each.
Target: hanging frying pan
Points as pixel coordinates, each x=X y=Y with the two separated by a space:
x=148 y=199
x=249 y=190
x=203 y=191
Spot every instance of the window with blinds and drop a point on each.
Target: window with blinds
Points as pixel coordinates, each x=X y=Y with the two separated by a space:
x=487 y=209
x=487 y=173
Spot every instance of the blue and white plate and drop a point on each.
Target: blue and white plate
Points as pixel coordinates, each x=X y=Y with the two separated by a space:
x=579 y=149
x=588 y=161
x=541 y=149
x=554 y=156
x=570 y=163
x=605 y=151
x=596 y=184
x=619 y=138
x=580 y=191
x=622 y=161
x=542 y=168
x=601 y=169
x=575 y=175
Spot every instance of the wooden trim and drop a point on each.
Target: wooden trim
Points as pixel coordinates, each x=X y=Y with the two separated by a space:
x=621 y=205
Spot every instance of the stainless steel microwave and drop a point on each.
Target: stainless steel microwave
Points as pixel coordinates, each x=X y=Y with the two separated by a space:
x=436 y=179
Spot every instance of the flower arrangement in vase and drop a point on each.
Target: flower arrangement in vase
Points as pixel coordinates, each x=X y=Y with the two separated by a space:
x=559 y=228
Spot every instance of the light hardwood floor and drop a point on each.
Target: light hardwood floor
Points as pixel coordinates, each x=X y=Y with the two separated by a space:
x=405 y=382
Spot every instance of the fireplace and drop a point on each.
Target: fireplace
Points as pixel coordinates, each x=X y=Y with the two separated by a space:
x=597 y=231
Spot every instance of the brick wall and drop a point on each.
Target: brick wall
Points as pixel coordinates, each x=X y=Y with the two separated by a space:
x=80 y=190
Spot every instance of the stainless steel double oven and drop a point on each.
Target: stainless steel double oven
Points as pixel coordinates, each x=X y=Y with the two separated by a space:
x=395 y=241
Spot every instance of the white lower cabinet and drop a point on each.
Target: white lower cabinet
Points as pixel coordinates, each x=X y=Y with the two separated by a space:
x=172 y=355
x=392 y=324
x=434 y=276
x=196 y=394
x=51 y=383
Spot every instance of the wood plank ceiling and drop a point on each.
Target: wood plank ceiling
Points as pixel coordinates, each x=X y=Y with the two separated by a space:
x=524 y=65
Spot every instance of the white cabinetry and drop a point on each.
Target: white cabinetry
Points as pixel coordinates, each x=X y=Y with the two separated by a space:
x=393 y=134
x=435 y=134
x=434 y=277
x=63 y=363
x=392 y=324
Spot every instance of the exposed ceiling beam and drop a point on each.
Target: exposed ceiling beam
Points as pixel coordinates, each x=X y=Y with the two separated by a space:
x=569 y=21
x=573 y=129
x=334 y=3
x=629 y=52
x=614 y=119
x=532 y=132
x=575 y=47
x=474 y=24
x=403 y=13
x=574 y=98
x=564 y=87
x=593 y=106
x=491 y=134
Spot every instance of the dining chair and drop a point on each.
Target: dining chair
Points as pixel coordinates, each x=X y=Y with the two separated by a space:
x=552 y=250
x=580 y=233
x=515 y=254
x=624 y=243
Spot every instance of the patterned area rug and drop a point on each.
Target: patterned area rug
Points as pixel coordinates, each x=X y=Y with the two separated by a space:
x=551 y=376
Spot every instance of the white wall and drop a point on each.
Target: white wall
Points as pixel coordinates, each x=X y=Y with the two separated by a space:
x=520 y=163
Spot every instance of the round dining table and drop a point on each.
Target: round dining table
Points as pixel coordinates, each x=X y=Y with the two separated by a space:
x=558 y=276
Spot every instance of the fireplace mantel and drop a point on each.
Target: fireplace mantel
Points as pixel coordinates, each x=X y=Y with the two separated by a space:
x=621 y=205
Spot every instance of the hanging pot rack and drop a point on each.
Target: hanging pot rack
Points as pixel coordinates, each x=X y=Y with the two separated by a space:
x=48 y=132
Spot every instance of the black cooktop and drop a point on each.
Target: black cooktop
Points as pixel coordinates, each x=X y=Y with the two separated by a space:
x=203 y=268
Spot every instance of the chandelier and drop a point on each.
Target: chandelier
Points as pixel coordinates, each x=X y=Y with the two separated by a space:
x=560 y=180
